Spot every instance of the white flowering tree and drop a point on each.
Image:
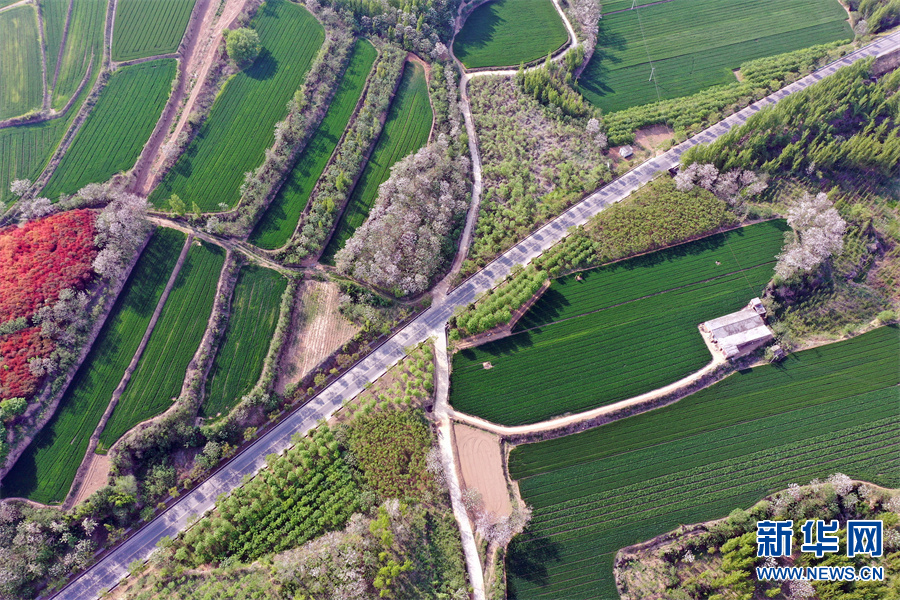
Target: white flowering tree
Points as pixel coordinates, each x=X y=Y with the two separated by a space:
x=818 y=234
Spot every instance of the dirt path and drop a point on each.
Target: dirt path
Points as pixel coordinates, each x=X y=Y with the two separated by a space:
x=198 y=55
x=62 y=45
x=643 y=402
x=445 y=443
x=15 y=5
x=95 y=478
x=45 y=105
x=482 y=467
x=88 y=462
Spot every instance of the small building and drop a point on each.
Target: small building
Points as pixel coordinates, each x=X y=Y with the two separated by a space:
x=625 y=151
x=739 y=333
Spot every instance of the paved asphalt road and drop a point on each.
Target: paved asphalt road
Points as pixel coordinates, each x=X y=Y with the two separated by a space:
x=114 y=566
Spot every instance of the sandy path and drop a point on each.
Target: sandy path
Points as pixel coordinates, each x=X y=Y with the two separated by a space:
x=95 y=478
x=445 y=443
x=563 y=422
x=197 y=58
x=15 y=5
x=482 y=467
x=319 y=330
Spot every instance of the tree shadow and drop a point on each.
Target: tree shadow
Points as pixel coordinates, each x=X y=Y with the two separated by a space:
x=264 y=67
x=479 y=29
x=528 y=558
x=610 y=44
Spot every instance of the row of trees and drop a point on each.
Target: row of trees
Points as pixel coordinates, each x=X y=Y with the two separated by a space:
x=408 y=236
x=335 y=185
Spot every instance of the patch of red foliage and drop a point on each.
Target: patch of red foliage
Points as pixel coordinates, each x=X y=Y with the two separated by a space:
x=16 y=380
x=42 y=258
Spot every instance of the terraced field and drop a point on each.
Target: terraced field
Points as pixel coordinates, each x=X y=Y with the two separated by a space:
x=45 y=471
x=20 y=62
x=625 y=329
x=696 y=44
x=160 y=371
x=254 y=314
x=280 y=220
x=509 y=32
x=145 y=28
x=234 y=138
x=405 y=131
x=117 y=128
x=825 y=410
x=82 y=48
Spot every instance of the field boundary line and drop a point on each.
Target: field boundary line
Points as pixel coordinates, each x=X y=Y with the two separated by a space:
x=62 y=46
x=126 y=377
x=42 y=39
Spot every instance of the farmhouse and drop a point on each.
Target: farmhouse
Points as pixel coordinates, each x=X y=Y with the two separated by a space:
x=741 y=332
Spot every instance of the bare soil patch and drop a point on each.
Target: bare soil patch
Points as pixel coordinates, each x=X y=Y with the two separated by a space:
x=481 y=467
x=653 y=136
x=318 y=329
x=95 y=477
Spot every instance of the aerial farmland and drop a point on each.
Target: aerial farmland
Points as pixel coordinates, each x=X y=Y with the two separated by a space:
x=449 y=299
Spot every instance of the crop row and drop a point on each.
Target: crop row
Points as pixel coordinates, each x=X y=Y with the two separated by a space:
x=45 y=471
x=281 y=218
x=812 y=377
x=117 y=128
x=160 y=372
x=20 y=68
x=405 y=131
x=239 y=361
x=54 y=12
x=233 y=139
x=600 y=357
x=149 y=28
x=82 y=47
x=689 y=46
x=661 y=271
x=509 y=32
x=720 y=449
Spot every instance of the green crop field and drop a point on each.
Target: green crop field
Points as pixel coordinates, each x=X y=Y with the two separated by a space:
x=279 y=221
x=240 y=126
x=54 y=25
x=509 y=32
x=20 y=62
x=82 y=48
x=239 y=362
x=117 y=128
x=161 y=369
x=26 y=149
x=145 y=28
x=831 y=409
x=625 y=329
x=45 y=471
x=405 y=131
x=696 y=44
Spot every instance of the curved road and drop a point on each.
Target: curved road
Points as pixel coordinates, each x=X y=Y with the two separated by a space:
x=107 y=572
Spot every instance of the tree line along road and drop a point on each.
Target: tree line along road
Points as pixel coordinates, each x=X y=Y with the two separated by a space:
x=108 y=571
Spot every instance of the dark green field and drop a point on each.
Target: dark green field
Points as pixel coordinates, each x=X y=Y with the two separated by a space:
x=279 y=221
x=240 y=126
x=239 y=361
x=22 y=86
x=625 y=329
x=509 y=32
x=405 y=131
x=160 y=371
x=45 y=471
x=145 y=28
x=117 y=128
x=831 y=409
x=696 y=44
x=26 y=149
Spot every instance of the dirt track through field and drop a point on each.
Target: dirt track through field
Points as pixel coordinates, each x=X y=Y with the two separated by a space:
x=319 y=330
x=198 y=54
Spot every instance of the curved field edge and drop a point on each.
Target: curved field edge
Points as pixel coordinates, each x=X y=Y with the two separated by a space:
x=240 y=126
x=160 y=372
x=145 y=29
x=255 y=308
x=616 y=331
x=44 y=473
x=117 y=128
x=405 y=131
x=506 y=33
x=281 y=218
x=823 y=410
